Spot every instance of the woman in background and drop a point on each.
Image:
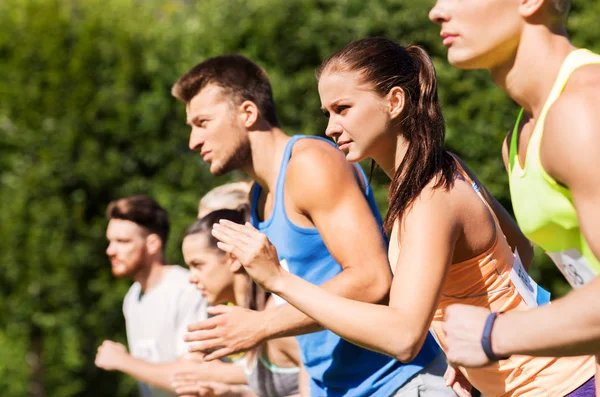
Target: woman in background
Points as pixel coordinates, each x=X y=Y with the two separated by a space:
x=273 y=369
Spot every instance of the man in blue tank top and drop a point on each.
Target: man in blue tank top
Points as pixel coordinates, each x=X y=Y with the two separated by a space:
x=319 y=213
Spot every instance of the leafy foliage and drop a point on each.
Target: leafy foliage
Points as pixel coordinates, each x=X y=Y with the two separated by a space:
x=86 y=116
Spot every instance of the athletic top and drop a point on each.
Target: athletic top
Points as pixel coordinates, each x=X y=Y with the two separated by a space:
x=551 y=222
x=336 y=367
x=496 y=280
x=156 y=321
x=268 y=380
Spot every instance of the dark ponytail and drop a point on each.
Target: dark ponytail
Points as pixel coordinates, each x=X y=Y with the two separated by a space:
x=425 y=130
x=256 y=296
x=386 y=64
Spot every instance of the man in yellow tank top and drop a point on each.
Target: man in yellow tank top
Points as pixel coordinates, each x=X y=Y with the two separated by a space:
x=553 y=164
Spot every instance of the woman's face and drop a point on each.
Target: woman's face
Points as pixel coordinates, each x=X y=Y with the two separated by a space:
x=209 y=269
x=359 y=118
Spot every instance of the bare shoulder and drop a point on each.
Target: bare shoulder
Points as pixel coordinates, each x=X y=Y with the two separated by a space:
x=315 y=162
x=576 y=107
x=317 y=170
x=587 y=76
x=571 y=139
x=434 y=199
x=434 y=208
x=311 y=149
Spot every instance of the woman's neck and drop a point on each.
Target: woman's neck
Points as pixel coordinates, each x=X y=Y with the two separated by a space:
x=391 y=155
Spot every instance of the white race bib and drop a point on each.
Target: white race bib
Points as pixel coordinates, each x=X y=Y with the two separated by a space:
x=573 y=266
x=276 y=298
x=527 y=288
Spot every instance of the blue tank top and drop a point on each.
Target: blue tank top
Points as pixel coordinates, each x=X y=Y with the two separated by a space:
x=336 y=367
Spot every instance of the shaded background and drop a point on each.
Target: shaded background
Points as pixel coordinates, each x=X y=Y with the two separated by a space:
x=86 y=117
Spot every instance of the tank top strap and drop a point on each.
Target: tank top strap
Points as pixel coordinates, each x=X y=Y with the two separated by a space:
x=254 y=195
x=477 y=190
x=278 y=205
x=287 y=155
x=257 y=189
x=514 y=140
x=572 y=62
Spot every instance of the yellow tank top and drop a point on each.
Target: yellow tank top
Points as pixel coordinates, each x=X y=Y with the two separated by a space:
x=486 y=281
x=544 y=209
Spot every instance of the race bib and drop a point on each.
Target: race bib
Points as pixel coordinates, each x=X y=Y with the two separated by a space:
x=531 y=293
x=573 y=266
x=276 y=298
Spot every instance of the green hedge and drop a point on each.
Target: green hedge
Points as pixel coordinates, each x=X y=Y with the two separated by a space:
x=86 y=117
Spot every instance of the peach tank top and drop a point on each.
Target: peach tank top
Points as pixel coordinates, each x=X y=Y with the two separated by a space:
x=485 y=281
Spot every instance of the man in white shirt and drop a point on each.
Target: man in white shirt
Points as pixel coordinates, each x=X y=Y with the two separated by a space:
x=160 y=303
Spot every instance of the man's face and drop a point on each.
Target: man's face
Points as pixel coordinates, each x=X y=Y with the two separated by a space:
x=218 y=133
x=479 y=34
x=126 y=247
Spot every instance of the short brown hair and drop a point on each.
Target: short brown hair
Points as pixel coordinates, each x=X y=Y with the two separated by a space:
x=239 y=78
x=144 y=211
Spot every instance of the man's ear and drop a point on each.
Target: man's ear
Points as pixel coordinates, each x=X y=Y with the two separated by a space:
x=396 y=102
x=249 y=113
x=528 y=8
x=153 y=244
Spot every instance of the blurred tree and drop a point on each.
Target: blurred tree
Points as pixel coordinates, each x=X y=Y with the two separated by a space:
x=86 y=117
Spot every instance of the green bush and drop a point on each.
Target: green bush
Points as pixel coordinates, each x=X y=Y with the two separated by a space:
x=86 y=116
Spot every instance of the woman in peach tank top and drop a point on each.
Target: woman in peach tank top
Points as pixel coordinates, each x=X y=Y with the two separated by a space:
x=486 y=281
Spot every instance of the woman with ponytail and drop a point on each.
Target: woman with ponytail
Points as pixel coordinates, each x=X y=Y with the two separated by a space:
x=450 y=240
x=273 y=369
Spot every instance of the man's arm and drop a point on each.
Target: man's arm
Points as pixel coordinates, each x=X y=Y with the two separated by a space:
x=189 y=307
x=568 y=327
x=570 y=153
x=114 y=356
x=321 y=184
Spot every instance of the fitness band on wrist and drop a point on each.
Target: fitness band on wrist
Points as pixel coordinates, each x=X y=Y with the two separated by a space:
x=486 y=338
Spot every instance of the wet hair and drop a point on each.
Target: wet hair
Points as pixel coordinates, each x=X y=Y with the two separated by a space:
x=228 y=196
x=257 y=297
x=144 y=211
x=239 y=78
x=385 y=64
